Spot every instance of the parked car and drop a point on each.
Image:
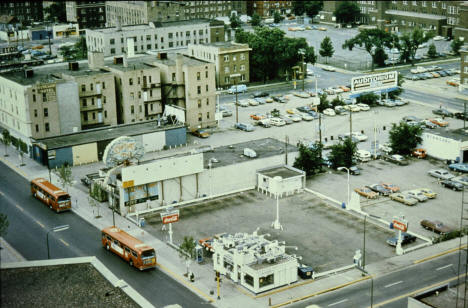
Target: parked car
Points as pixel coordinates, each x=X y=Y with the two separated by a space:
x=391 y=187
x=385 y=148
x=435 y=74
x=286 y=119
x=439 y=121
x=306 y=117
x=413 y=77
x=243 y=103
x=442 y=112
x=461 y=115
x=327 y=67
x=419 y=153
x=354 y=108
x=340 y=110
x=268 y=100
x=436 y=226
x=260 y=100
x=260 y=94
x=277 y=122
x=292 y=111
x=345 y=88
x=406 y=238
x=459 y=167
x=453 y=82
x=294 y=118
x=462 y=179
x=304 y=109
x=363 y=107
x=253 y=102
x=452 y=185
x=378 y=188
x=358 y=135
x=366 y=192
x=405 y=199
x=301 y=94
x=428 y=193
x=244 y=127
x=363 y=155
x=440 y=174
x=416 y=194
x=240 y=88
x=396 y=159
x=264 y=122
x=226 y=113
x=201 y=133
x=313 y=114
x=354 y=170
x=443 y=73
x=329 y=112
x=429 y=124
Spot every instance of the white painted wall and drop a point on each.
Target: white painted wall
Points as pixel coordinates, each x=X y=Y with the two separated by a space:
x=442 y=147
x=154 y=141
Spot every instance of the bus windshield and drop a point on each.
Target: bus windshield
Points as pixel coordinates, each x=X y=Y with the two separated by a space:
x=63 y=198
x=148 y=254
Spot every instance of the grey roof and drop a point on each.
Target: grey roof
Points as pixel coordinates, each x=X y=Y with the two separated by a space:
x=459 y=134
x=414 y=14
x=159 y=24
x=132 y=65
x=102 y=134
x=282 y=171
x=233 y=154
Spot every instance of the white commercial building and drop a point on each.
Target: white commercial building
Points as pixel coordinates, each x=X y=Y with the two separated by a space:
x=446 y=144
x=155 y=36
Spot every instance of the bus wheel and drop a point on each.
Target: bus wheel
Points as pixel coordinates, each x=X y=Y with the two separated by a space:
x=131 y=262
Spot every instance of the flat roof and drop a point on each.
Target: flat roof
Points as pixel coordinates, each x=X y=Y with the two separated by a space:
x=162 y=24
x=281 y=171
x=132 y=65
x=459 y=134
x=234 y=154
x=103 y=133
x=414 y=14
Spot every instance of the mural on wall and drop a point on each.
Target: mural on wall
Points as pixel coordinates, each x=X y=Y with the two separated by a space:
x=122 y=150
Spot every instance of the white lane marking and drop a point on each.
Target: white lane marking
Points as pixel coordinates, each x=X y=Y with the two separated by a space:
x=440 y=268
x=393 y=284
x=342 y=301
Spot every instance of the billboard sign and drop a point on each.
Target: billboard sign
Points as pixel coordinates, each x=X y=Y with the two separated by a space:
x=170 y=217
x=374 y=82
x=400 y=224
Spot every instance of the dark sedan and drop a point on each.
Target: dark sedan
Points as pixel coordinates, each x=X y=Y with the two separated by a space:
x=452 y=184
x=405 y=239
x=260 y=94
x=304 y=109
x=379 y=189
x=461 y=115
x=442 y=112
x=436 y=226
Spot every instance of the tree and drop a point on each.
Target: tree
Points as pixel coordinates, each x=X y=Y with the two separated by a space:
x=309 y=159
x=309 y=56
x=235 y=21
x=94 y=204
x=326 y=48
x=337 y=101
x=404 y=138
x=456 y=45
x=410 y=41
x=277 y=18
x=368 y=99
x=187 y=251
x=256 y=20
x=6 y=140
x=81 y=48
x=64 y=173
x=3 y=224
x=394 y=94
x=311 y=8
x=324 y=103
x=380 y=57
x=342 y=154
x=347 y=12
x=56 y=12
x=432 y=51
x=67 y=52
x=371 y=39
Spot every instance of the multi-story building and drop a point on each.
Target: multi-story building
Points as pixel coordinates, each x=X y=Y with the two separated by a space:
x=228 y=57
x=210 y=9
x=25 y=11
x=267 y=8
x=88 y=14
x=461 y=30
x=143 y=12
x=442 y=17
x=155 y=36
x=139 y=91
x=189 y=83
x=464 y=70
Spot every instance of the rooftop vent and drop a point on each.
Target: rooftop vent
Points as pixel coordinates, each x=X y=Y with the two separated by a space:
x=73 y=66
x=28 y=73
x=162 y=55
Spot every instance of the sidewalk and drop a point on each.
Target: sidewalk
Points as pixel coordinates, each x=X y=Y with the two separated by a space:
x=231 y=294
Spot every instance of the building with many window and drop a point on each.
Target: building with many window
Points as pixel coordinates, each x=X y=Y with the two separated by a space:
x=212 y=9
x=464 y=70
x=267 y=8
x=154 y=36
x=228 y=57
x=442 y=17
x=88 y=14
x=26 y=12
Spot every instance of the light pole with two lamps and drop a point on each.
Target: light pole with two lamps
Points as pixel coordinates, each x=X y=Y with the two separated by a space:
x=235 y=76
x=54 y=229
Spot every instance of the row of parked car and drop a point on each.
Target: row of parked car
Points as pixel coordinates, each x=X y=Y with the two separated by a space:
x=450 y=180
x=423 y=73
x=409 y=197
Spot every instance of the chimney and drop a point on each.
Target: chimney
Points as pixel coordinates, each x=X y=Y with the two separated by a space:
x=95 y=59
x=162 y=55
x=118 y=60
x=124 y=60
x=130 y=47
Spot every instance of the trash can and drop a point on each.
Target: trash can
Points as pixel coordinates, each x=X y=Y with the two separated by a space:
x=305 y=272
x=142 y=222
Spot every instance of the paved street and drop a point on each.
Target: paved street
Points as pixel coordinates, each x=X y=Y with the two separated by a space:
x=30 y=220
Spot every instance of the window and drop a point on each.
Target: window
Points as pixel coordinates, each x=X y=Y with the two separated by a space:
x=148 y=46
x=444 y=5
x=34 y=97
x=103 y=85
x=206 y=74
x=169 y=35
x=207 y=115
x=242 y=56
x=132 y=109
x=94 y=116
x=47 y=127
x=199 y=89
x=162 y=39
x=83 y=88
x=83 y=101
x=415 y=3
x=105 y=113
x=121 y=40
x=155 y=46
x=173 y=77
x=405 y=2
x=242 y=67
x=206 y=88
x=199 y=103
x=139 y=94
x=207 y=101
x=187 y=33
x=226 y=69
x=46 y=112
x=37 y=128
x=234 y=58
x=132 y=95
x=200 y=118
x=148 y=37
x=155 y=37
x=243 y=77
x=235 y=68
x=91 y=86
x=140 y=109
x=171 y=44
x=226 y=79
x=423 y=3
x=198 y=75
x=112 y=41
x=35 y=113
x=226 y=58
x=130 y=81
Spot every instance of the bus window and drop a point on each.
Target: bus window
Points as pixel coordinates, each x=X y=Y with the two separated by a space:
x=108 y=238
x=134 y=254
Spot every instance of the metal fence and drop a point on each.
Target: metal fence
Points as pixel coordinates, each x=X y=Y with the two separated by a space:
x=344 y=63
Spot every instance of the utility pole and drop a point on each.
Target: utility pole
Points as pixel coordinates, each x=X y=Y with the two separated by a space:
x=303 y=69
x=286 y=152
x=350 y=123
x=48 y=35
x=464 y=114
x=320 y=135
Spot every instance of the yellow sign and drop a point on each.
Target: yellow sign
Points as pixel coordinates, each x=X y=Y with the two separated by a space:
x=127 y=184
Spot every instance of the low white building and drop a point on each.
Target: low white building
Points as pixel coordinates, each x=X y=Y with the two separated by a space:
x=280 y=180
x=446 y=144
x=253 y=261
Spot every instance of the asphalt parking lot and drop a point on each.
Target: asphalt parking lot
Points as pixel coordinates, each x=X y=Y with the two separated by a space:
x=326 y=236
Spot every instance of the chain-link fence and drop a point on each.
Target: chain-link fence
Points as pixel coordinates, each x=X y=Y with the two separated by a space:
x=345 y=63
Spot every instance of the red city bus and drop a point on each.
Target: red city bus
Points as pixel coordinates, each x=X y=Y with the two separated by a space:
x=57 y=199
x=131 y=249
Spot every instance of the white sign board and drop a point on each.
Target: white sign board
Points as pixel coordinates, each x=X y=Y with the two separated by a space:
x=374 y=82
x=178 y=112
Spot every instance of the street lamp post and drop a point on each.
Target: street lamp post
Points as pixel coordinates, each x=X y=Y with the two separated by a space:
x=55 y=229
x=235 y=76
x=302 y=53
x=347 y=170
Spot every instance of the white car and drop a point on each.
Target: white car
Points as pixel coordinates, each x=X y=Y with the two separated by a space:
x=416 y=194
x=328 y=68
x=363 y=155
x=354 y=108
x=356 y=135
x=418 y=70
x=338 y=90
x=253 y=102
x=243 y=103
x=330 y=91
x=329 y=112
x=294 y=118
x=363 y=107
x=277 y=122
x=440 y=174
x=306 y=117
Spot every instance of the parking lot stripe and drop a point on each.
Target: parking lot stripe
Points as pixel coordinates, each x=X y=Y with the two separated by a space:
x=441 y=268
x=393 y=284
x=439 y=254
x=342 y=301
x=64 y=243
